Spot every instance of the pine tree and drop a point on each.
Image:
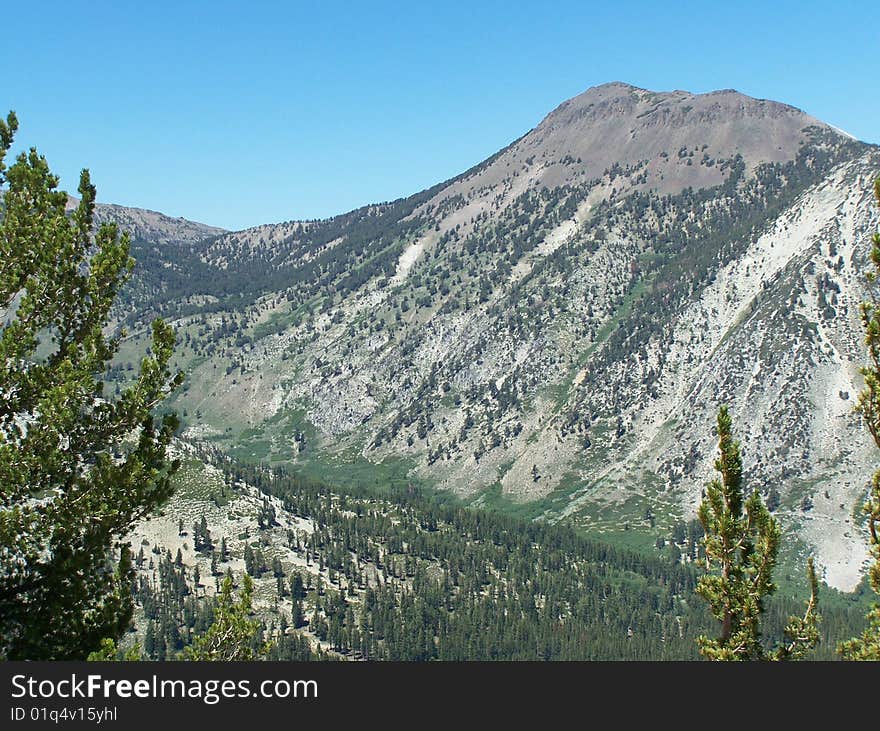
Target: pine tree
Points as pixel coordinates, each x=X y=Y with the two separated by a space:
x=150 y=639
x=297 y=614
x=867 y=646
x=250 y=563
x=202 y=536
x=77 y=468
x=207 y=542
x=233 y=634
x=109 y=651
x=297 y=590
x=741 y=543
x=266 y=518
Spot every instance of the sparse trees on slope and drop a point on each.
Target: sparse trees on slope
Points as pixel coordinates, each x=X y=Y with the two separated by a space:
x=741 y=543
x=867 y=646
x=76 y=469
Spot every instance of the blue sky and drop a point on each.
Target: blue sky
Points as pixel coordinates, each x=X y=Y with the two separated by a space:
x=243 y=113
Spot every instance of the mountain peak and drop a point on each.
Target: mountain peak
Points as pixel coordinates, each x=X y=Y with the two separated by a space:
x=612 y=86
x=641 y=100
x=674 y=139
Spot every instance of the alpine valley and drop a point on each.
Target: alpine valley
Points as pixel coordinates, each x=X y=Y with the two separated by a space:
x=551 y=333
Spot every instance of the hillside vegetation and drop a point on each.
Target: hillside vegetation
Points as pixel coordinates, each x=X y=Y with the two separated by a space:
x=400 y=575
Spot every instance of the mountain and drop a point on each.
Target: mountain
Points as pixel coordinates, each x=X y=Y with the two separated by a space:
x=552 y=331
x=617 y=126
x=150 y=227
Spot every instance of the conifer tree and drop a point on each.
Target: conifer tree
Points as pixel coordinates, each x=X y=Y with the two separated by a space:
x=250 y=563
x=867 y=646
x=77 y=468
x=234 y=635
x=741 y=544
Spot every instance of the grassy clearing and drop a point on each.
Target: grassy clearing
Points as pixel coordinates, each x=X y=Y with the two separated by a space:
x=354 y=471
x=196 y=483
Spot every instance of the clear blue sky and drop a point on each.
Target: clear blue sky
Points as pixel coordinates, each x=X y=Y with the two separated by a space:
x=243 y=113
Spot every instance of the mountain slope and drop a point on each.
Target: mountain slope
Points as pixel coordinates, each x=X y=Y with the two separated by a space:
x=399 y=575
x=553 y=330
x=150 y=226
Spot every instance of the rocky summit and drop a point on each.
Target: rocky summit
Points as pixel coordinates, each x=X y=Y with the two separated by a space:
x=553 y=331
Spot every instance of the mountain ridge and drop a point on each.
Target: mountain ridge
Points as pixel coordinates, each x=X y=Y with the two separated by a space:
x=144 y=224
x=551 y=331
